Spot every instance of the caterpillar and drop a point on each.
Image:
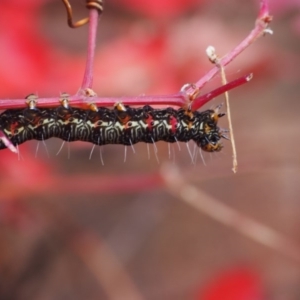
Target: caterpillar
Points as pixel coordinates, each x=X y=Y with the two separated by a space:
x=119 y=125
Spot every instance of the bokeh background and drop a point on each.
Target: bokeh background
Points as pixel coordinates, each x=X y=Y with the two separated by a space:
x=78 y=228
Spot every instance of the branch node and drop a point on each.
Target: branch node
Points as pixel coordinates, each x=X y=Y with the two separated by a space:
x=88 y=92
x=90 y=4
x=97 y=4
x=212 y=56
x=190 y=97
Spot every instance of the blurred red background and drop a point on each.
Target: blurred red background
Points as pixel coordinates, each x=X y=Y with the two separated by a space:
x=73 y=228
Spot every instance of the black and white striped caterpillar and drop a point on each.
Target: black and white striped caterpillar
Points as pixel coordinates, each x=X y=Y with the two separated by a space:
x=120 y=125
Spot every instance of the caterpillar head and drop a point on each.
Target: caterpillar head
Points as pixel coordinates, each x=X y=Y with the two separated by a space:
x=210 y=134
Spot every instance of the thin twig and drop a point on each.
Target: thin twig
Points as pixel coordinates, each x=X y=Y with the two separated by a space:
x=214 y=58
x=232 y=140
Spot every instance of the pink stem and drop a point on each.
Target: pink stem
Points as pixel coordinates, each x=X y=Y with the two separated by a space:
x=262 y=22
x=171 y=100
x=200 y=101
x=83 y=102
x=93 y=25
x=7 y=142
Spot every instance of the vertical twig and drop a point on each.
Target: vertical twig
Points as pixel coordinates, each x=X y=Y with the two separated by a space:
x=232 y=140
x=88 y=73
x=96 y=8
x=213 y=57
